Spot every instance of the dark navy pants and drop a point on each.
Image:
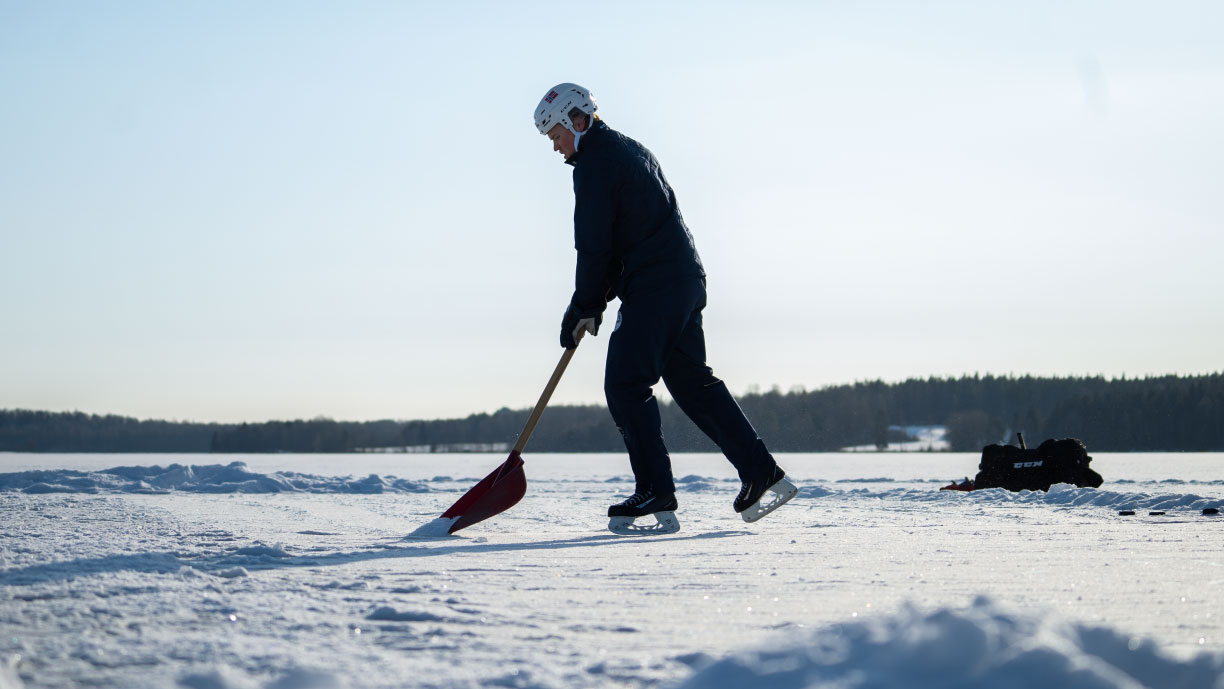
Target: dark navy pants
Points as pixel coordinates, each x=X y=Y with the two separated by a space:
x=659 y=335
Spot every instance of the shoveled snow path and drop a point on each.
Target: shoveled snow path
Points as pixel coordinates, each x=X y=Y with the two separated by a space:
x=257 y=590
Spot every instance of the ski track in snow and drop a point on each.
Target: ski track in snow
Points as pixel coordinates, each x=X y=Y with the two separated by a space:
x=221 y=577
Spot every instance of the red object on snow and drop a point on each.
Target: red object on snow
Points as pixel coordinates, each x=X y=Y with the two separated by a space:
x=496 y=493
x=965 y=485
x=502 y=489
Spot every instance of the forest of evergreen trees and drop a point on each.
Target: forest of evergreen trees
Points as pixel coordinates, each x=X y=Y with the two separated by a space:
x=1167 y=413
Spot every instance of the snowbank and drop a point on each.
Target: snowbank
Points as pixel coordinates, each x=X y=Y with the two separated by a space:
x=195 y=478
x=1060 y=494
x=981 y=646
x=235 y=477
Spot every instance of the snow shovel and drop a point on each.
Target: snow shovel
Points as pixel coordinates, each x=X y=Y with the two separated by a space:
x=505 y=486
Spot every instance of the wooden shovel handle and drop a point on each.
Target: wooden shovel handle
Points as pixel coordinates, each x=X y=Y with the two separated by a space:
x=544 y=397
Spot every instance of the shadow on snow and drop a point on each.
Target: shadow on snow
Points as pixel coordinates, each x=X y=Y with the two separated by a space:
x=275 y=558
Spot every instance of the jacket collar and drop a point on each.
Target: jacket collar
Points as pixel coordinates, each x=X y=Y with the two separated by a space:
x=588 y=138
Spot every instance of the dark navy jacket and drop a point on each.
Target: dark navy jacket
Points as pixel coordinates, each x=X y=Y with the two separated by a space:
x=627 y=227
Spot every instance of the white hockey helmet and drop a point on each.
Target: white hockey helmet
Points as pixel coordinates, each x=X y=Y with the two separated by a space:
x=556 y=105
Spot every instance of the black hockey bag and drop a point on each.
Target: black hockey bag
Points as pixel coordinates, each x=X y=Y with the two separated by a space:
x=1019 y=468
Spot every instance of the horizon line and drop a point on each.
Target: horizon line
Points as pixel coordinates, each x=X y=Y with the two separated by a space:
x=752 y=390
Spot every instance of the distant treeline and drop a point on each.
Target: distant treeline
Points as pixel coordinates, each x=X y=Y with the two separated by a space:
x=1168 y=413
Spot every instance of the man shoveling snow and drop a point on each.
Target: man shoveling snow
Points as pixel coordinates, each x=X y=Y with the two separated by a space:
x=633 y=244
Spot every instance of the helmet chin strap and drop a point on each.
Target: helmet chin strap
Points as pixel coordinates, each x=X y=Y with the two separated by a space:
x=578 y=135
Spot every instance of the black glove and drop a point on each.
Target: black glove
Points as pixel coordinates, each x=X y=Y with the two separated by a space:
x=575 y=321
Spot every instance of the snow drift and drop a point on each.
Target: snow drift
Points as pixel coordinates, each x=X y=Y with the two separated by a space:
x=1060 y=494
x=235 y=477
x=195 y=478
x=981 y=646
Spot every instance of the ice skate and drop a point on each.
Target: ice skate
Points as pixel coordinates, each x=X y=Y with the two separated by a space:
x=751 y=502
x=622 y=516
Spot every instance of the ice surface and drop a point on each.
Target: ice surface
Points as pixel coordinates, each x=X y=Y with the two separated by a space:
x=921 y=439
x=182 y=575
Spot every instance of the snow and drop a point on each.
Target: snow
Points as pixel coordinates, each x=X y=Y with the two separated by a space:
x=437 y=528
x=137 y=571
x=234 y=477
x=983 y=645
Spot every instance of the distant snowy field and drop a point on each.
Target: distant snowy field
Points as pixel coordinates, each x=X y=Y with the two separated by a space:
x=294 y=572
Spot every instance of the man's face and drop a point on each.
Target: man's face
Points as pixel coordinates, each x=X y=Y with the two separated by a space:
x=562 y=140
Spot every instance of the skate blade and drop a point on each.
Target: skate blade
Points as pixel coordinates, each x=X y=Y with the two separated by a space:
x=783 y=491
x=666 y=523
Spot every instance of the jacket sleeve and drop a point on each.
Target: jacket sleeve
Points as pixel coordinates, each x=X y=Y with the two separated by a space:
x=595 y=194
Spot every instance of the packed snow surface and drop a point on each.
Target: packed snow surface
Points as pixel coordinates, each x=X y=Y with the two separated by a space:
x=277 y=572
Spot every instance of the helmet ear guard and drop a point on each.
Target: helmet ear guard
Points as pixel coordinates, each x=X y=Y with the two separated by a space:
x=558 y=105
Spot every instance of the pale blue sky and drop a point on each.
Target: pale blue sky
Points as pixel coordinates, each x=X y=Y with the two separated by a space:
x=244 y=211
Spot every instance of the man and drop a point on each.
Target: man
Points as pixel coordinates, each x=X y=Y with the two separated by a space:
x=633 y=244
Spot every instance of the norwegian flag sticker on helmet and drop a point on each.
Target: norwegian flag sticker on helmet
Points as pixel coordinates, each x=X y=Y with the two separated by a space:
x=551 y=96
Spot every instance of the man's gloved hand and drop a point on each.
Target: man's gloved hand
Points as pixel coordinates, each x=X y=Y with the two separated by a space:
x=574 y=322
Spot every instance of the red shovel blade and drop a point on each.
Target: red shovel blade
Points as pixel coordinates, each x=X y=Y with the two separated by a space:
x=496 y=493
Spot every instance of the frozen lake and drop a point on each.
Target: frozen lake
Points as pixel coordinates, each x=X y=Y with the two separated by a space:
x=897 y=466
x=870 y=577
